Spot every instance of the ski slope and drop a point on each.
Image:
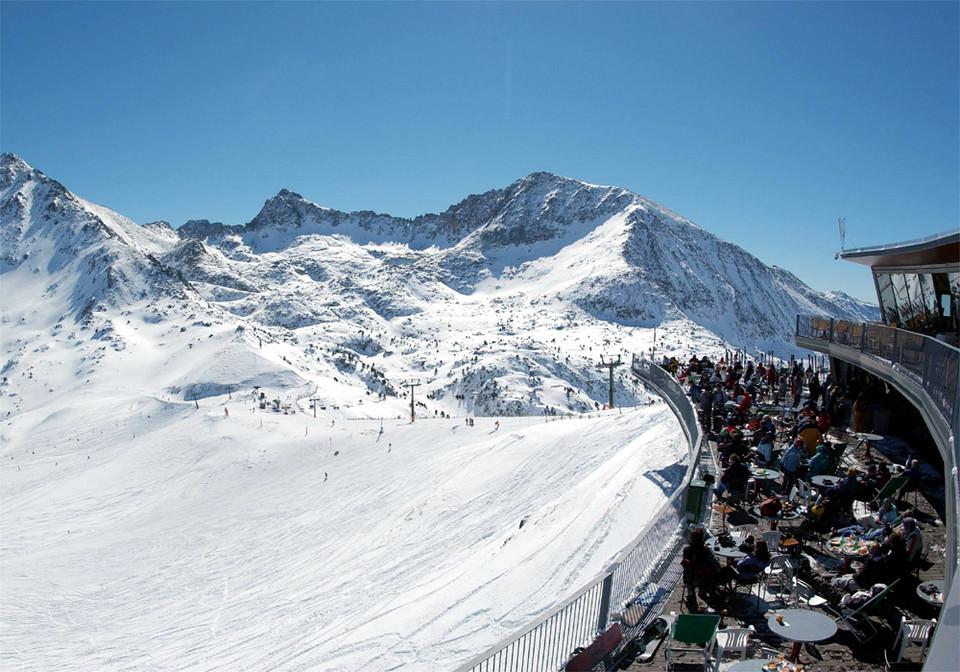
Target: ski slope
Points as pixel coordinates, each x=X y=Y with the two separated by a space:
x=140 y=533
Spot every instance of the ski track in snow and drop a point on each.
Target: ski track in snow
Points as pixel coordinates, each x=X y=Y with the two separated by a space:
x=188 y=540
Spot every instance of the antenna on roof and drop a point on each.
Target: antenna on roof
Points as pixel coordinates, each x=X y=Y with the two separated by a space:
x=843 y=234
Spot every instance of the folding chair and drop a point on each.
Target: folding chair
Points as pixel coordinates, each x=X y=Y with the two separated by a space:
x=890 y=489
x=837 y=457
x=697 y=630
x=862 y=614
x=731 y=640
x=913 y=630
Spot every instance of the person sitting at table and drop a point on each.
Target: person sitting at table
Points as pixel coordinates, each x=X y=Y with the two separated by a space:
x=700 y=568
x=847 y=488
x=824 y=514
x=734 y=477
x=912 y=540
x=882 y=520
x=821 y=463
x=871 y=572
x=748 y=568
x=895 y=555
x=730 y=441
x=883 y=475
x=868 y=487
x=790 y=463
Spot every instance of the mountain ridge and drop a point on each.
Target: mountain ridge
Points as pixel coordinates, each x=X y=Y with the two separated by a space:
x=543 y=266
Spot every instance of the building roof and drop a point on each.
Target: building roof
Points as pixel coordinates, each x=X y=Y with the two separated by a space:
x=938 y=249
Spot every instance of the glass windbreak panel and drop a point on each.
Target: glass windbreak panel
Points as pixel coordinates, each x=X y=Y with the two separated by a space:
x=888 y=304
x=953 y=282
x=953 y=303
x=928 y=294
x=916 y=314
x=901 y=298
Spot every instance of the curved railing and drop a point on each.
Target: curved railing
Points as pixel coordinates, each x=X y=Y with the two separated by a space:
x=931 y=364
x=927 y=371
x=651 y=557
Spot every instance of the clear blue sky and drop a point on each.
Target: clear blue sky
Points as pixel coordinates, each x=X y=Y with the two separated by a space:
x=760 y=122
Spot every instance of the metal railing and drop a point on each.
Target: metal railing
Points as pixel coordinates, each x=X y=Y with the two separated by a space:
x=547 y=643
x=927 y=370
x=930 y=363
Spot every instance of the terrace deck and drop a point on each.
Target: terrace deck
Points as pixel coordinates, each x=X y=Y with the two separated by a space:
x=842 y=652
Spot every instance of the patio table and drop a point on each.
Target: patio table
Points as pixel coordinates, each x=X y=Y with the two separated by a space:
x=931 y=592
x=849 y=549
x=789 y=515
x=762 y=474
x=824 y=480
x=801 y=625
x=730 y=553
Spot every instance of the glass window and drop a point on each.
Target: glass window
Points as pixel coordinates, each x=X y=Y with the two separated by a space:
x=901 y=297
x=888 y=303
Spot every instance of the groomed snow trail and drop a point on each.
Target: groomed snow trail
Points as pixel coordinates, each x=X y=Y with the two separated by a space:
x=146 y=535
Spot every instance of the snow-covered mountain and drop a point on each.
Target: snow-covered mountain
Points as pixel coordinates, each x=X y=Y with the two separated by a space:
x=538 y=274
x=207 y=460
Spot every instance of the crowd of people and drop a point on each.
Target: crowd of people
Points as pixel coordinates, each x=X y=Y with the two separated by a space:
x=725 y=396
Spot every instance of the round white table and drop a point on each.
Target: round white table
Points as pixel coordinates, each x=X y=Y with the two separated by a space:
x=801 y=625
x=866 y=437
x=792 y=515
x=934 y=598
x=825 y=481
x=730 y=553
x=764 y=473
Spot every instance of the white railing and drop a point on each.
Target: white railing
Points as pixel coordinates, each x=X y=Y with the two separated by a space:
x=651 y=557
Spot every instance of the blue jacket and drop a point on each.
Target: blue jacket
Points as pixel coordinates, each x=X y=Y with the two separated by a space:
x=820 y=463
x=790 y=460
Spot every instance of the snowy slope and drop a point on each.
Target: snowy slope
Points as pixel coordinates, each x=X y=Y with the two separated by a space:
x=156 y=517
x=145 y=534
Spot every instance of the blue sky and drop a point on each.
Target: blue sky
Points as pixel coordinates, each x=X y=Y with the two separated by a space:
x=760 y=122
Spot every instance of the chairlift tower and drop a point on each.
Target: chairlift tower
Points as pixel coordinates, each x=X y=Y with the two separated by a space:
x=413 y=412
x=611 y=365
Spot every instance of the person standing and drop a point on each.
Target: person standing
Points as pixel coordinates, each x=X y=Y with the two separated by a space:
x=700 y=569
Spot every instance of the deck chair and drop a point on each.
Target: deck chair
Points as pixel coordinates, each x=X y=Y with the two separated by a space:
x=851 y=617
x=697 y=631
x=731 y=640
x=837 y=457
x=890 y=489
